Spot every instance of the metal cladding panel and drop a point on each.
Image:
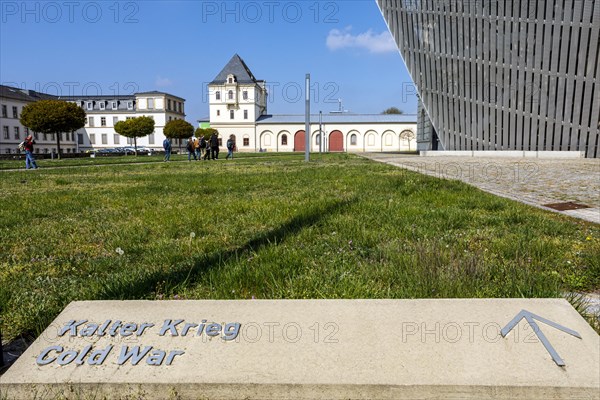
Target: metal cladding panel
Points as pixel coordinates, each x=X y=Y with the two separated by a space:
x=504 y=75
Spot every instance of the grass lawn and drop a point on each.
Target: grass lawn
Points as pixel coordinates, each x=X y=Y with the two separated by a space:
x=272 y=227
x=103 y=160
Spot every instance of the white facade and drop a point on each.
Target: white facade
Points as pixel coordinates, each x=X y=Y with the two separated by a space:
x=12 y=101
x=238 y=107
x=103 y=112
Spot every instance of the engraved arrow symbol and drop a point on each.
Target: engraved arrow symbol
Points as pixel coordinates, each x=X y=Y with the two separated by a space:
x=530 y=318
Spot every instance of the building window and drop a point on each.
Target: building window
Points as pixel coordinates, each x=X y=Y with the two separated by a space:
x=218 y=95
x=246 y=141
x=218 y=113
x=68 y=150
x=231 y=114
x=353 y=139
x=180 y=107
x=116 y=138
x=151 y=138
x=104 y=138
x=4 y=111
x=102 y=105
x=102 y=121
x=91 y=121
x=230 y=80
x=26 y=132
x=90 y=105
x=245 y=114
x=169 y=104
x=79 y=138
x=36 y=136
x=115 y=120
x=130 y=105
x=15 y=112
x=92 y=138
x=129 y=140
x=150 y=104
x=245 y=95
x=17 y=134
x=5 y=132
x=220 y=142
x=45 y=136
x=230 y=95
x=284 y=140
x=7 y=151
x=115 y=105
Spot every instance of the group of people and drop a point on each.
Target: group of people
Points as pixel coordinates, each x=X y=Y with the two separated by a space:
x=202 y=149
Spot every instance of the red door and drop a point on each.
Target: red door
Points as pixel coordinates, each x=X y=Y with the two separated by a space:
x=299 y=141
x=336 y=141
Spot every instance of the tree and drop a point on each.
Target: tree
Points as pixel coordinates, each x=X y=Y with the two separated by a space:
x=393 y=110
x=135 y=128
x=53 y=117
x=178 y=129
x=206 y=133
x=408 y=136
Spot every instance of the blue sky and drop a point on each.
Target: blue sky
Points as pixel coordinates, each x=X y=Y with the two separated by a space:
x=178 y=46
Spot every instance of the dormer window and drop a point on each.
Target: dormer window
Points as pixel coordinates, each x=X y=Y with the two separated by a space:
x=102 y=105
x=231 y=79
x=90 y=105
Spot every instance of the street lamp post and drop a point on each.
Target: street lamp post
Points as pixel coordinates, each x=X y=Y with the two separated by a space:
x=307 y=121
x=320 y=132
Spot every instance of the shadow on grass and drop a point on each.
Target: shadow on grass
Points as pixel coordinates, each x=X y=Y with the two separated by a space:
x=184 y=276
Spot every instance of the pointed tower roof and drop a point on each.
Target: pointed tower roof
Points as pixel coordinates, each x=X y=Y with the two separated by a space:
x=236 y=66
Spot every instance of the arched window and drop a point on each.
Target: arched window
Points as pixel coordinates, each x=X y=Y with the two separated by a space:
x=230 y=95
x=218 y=95
x=407 y=135
x=353 y=139
x=284 y=140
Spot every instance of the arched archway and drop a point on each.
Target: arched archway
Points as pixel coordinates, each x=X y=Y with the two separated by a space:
x=299 y=141
x=266 y=140
x=283 y=141
x=387 y=140
x=336 y=141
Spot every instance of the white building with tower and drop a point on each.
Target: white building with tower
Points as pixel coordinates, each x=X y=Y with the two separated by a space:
x=238 y=106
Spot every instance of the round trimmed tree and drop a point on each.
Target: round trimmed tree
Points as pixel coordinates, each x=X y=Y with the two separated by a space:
x=178 y=129
x=53 y=117
x=135 y=128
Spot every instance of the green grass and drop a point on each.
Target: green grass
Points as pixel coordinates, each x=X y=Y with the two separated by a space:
x=274 y=227
x=112 y=160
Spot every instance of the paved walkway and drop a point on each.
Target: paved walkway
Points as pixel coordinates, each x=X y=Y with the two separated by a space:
x=532 y=181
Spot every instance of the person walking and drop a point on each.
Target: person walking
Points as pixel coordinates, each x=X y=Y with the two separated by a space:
x=203 y=147
x=230 y=147
x=167 y=147
x=190 y=149
x=196 y=149
x=29 y=159
x=214 y=146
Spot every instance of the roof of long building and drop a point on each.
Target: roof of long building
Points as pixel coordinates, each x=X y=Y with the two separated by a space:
x=338 y=118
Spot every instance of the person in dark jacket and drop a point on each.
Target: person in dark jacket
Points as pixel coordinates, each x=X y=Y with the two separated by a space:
x=167 y=147
x=214 y=146
x=230 y=147
x=28 y=146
